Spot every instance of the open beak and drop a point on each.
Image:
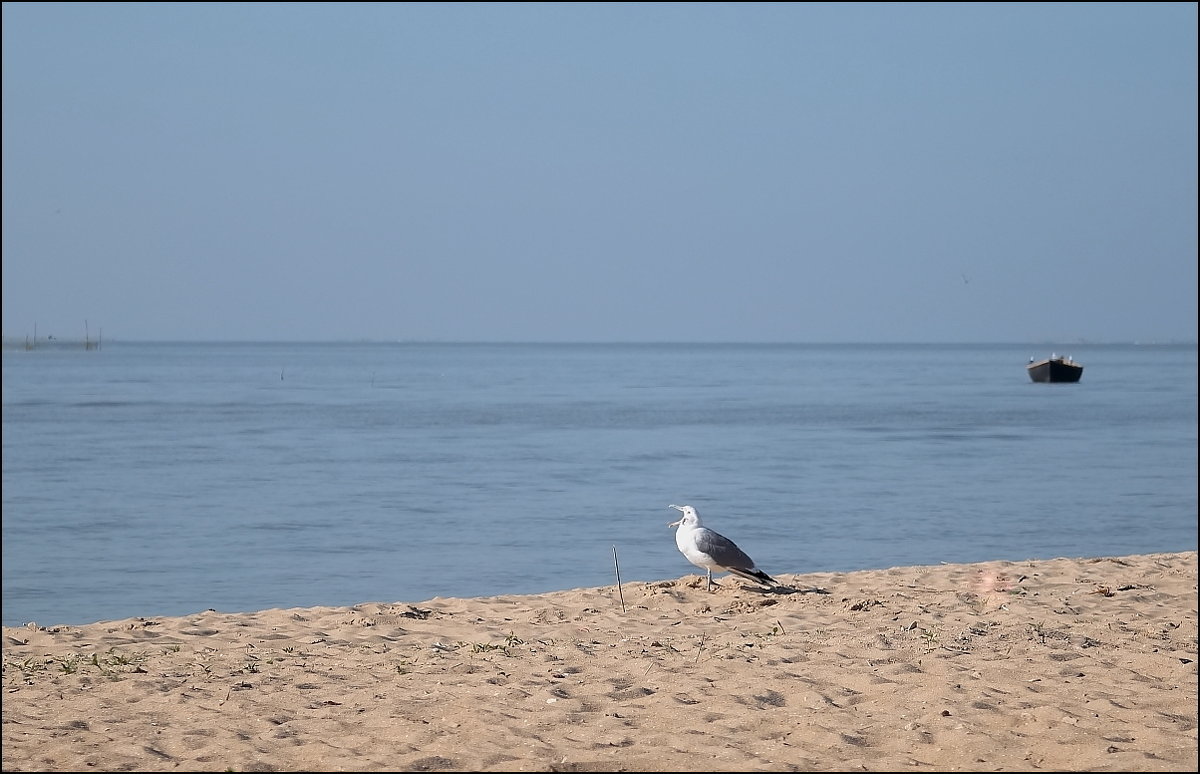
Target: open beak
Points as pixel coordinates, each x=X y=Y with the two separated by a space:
x=680 y=509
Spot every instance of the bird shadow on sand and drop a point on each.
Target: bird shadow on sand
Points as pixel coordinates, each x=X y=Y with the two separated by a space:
x=782 y=589
x=779 y=589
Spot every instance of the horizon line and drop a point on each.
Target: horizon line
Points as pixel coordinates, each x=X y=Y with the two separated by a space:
x=58 y=340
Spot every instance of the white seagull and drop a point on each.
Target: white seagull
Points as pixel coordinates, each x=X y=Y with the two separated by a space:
x=712 y=551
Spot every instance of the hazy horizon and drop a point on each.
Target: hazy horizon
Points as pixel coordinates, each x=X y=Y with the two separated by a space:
x=99 y=338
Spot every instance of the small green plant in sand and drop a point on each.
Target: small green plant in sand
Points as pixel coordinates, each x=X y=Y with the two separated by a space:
x=110 y=664
x=27 y=666
x=113 y=663
x=510 y=641
x=483 y=647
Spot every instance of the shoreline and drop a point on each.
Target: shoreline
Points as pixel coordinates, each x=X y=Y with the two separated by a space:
x=1062 y=664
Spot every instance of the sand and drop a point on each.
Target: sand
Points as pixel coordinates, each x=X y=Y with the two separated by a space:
x=1064 y=665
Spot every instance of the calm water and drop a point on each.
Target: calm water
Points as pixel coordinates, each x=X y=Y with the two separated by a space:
x=165 y=479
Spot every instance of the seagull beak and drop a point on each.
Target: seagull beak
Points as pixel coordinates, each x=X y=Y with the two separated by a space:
x=675 y=523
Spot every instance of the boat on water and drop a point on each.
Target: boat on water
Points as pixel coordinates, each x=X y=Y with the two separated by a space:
x=1056 y=368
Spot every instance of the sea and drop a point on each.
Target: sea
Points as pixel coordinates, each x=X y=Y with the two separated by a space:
x=145 y=479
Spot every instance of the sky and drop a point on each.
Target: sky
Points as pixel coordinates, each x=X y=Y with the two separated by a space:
x=601 y=172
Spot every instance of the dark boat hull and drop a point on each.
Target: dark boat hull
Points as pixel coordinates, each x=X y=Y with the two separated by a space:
x=1055 y=370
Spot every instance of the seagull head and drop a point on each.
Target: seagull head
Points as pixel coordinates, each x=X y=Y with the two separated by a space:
x=690 y=517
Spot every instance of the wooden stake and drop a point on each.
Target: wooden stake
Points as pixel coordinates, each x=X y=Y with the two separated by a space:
x=618 y=568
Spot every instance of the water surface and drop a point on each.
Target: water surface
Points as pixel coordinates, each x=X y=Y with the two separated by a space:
x=164 y=479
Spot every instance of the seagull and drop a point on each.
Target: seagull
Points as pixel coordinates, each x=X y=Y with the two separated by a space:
x=705 y=548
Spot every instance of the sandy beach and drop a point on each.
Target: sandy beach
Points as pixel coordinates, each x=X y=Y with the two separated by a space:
x=1071 y=664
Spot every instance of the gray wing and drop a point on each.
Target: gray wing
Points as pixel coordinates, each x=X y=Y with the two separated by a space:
x=722 y=550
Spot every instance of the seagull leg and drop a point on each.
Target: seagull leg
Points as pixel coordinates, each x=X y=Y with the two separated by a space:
x=709 y=578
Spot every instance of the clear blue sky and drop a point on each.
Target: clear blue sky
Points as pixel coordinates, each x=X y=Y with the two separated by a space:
x=900 y=172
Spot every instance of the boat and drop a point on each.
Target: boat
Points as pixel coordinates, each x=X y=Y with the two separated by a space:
x=1056 y=368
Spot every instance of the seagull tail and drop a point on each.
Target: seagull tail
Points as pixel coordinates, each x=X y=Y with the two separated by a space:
x=754 y=575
